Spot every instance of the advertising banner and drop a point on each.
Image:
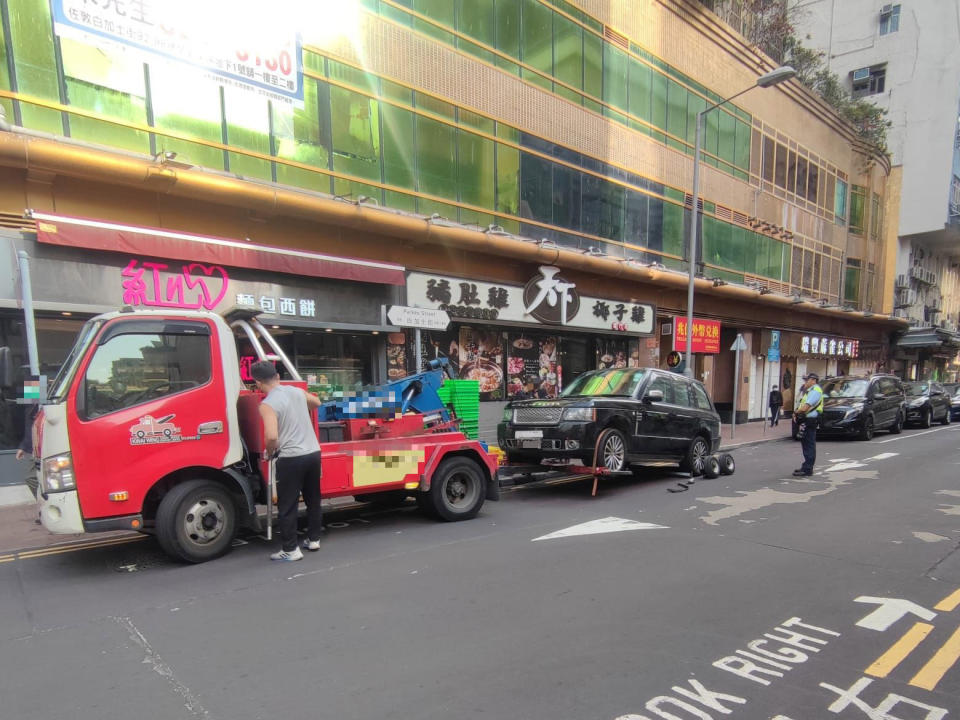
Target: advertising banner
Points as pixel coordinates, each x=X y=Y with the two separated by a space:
x=238 y=49
x=706 y=335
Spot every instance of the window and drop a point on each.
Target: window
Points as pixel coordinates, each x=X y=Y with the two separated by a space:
x=858 y=201
x=698 y=398
x=851 y=284
x=840 y=201
x=876 y=217
x=664 y=385
x=869 y=80
x=889 y=19
x=128 y=370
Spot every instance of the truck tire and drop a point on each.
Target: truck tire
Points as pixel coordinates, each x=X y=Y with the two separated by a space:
x=196 y=521
x=457 y=490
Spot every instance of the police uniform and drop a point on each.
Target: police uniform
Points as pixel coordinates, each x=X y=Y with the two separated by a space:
x=813 y=397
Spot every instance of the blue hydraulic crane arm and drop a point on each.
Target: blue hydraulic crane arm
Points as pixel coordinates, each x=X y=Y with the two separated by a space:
x=414 y=393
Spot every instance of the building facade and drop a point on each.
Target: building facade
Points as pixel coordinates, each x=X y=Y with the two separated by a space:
x=905 y=57
x=508 y=156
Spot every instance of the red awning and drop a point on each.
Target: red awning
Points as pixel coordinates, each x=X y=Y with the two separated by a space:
x=170 y=245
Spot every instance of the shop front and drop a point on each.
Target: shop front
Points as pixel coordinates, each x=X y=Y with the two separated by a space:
x=327 y=313
x=525 y=341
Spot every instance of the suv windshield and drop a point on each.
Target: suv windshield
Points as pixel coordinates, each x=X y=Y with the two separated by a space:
x=607 y=383
x=845 y=388
x=915 y=388
x=61 y=383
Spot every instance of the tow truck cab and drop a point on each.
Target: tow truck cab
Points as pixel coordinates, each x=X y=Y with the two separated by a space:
x=148 y=427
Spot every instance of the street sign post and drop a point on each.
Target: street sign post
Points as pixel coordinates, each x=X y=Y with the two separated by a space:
x=414 y=317
x=739 y=345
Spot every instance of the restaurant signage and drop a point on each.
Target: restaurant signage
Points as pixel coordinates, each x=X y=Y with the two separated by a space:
x=547 y=299
x=706 y=335
x=829 y=347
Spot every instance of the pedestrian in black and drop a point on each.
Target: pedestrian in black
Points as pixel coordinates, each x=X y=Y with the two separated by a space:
x=288 y=435
x=811 y=405
x=775 y=403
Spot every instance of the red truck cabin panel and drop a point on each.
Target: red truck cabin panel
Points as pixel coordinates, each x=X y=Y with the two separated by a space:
x=149 y=398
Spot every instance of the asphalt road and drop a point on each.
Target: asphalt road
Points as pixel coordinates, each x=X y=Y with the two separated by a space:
x=755 y=596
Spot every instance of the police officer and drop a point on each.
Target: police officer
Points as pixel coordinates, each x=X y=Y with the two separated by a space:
x=811 y=405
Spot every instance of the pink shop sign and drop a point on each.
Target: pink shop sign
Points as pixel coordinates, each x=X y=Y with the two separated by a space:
x=195 y=287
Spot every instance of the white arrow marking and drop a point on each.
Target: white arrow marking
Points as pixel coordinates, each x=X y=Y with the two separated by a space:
x=890 y=610
x=852 y=465
x=883 y=456
x=598 y=527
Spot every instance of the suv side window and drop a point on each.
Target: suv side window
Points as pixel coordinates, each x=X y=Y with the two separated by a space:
x=886 y=388
x=936 y=389
x=664 y=385
x=681 y=392
x=131 y=369
x=698 y=397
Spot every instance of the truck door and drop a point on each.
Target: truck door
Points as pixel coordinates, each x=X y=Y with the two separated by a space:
x=150 y=399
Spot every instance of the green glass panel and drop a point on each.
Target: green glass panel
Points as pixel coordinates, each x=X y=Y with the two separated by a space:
x=851 y=285
x=711 y=135
x=508 y=180
x=297 y=136
x=754 y=253
x=537 y=78
x=674 y=194
x=444 y=210
x=465 y=117
x=353 y=189
x=640 y=80
x=574 y=96
x=536 y=188
x=510 y=134
x=567 y=51
x=858 y=196
x=727 y=139
x=437 y=107
x=297 y=177
x=473 y=217
x=4 y=72
x=32 y=47
x=250 y=167
x=396 y=14
x=840 y=200
x=248 y=127
x=436 y=158
x=440 y=12
x=195 y=113
x=658 y=100
x=367 y=82
x=395 y=92
x=476 y=18
x=537 y=34
x=673 y=237
x=476 y=51
x=695 y=104
x=400 y=201
x=476 y=169
x=592 y=65
x=676 y=110
x=615 y=76
x=356 y=134
x=508 y=29
x=313 y=62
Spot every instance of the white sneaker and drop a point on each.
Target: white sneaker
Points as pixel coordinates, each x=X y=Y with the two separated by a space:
x=285 y=556
x=311 y=545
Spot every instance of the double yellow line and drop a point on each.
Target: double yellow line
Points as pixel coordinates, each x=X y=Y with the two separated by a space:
x=943 y=659
x=69 y=547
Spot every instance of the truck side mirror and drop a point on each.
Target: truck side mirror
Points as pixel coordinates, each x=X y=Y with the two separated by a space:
x=7 y=377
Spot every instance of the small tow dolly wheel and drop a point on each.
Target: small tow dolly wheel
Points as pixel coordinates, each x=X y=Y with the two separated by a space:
x=727 y=464
x=711 y=467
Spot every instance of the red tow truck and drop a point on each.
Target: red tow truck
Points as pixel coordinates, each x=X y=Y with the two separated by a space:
x=148 y=427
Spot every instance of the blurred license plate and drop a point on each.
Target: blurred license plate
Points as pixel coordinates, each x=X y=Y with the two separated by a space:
x=533 y=444
x=528 y=434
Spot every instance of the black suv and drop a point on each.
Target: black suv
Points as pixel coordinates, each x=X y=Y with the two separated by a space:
x=859 y=406
x=927 y=401
x=652 y=414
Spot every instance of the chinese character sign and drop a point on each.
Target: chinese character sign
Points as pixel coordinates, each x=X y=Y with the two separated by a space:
x=265 y=56
x=831 y=347
x=706 y=335
x=196 y=287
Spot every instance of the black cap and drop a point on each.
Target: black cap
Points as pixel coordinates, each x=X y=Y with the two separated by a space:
x=811 y=375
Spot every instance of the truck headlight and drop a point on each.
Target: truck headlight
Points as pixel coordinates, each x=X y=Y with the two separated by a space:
x=507 y=414
x=580 y=414
x=57 y=474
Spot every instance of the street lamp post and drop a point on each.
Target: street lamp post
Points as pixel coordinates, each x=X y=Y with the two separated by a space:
x=774 y=77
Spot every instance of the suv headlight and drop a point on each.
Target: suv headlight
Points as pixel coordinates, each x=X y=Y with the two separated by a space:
x=508 y=414
x=853 y=411
x=580 y=414
x=58 y=474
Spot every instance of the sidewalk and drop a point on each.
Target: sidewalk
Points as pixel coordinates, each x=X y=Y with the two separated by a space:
x=752 y=433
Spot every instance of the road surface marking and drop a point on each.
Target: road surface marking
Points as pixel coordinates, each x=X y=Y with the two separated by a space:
x=907 y=437
x=838 y=467
x=60 y=549
x=599 y=527
x=883 y=456
x=929 y=537
x=890 y=610
x=949 y=603
x=885 y=664
x=931 y=673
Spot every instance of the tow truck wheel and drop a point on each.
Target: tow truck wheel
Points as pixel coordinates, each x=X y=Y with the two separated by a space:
x=727 y=464
x=196 y=521
x=457 y=490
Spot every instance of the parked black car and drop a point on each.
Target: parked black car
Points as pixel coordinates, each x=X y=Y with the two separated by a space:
x=859 y=406
x=953 y=390
x=653 y=414
x=927 y=402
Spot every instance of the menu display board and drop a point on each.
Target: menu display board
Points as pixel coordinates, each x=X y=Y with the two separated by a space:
x=612 y=353
x=481 y=358
x=433 y=345
x=532 y=369
x=396 y=355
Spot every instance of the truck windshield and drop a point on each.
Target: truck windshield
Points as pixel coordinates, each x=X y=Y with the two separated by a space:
x=61 y=383
x=607 y=383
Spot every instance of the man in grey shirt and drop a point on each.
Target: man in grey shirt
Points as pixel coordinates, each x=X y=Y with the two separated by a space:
x=288 y=432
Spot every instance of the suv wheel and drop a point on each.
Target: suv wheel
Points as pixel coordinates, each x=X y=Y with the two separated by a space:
x=927 y=420
x=612 y=452
x=696 y=456
x=946 y=418
x=897 y=426
x=868 y=428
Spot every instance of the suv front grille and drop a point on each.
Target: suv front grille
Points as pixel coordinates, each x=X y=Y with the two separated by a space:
x=537 y=416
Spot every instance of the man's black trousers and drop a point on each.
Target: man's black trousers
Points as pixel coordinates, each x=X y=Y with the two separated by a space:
x=809 y=444
x=295 y=476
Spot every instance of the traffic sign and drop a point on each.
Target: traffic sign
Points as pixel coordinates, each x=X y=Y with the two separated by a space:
x=414 y=317
x=739 y=344
x=773 y=354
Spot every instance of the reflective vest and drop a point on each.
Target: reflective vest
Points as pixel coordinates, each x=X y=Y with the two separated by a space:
x=819 y=407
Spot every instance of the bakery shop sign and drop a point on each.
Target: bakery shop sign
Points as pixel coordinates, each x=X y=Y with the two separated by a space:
x=548 y=298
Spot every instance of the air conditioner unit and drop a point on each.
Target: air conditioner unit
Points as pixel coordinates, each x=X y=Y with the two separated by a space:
x=886 y=10
x=902 y=282
x=861 y=74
